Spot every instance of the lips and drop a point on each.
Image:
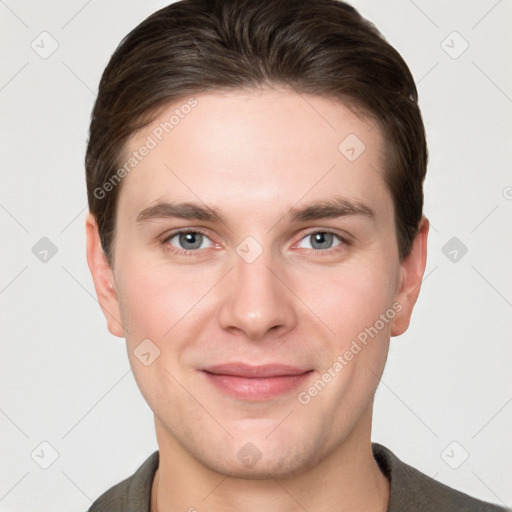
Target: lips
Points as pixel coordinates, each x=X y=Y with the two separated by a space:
x=255 y=383
x=248 y=371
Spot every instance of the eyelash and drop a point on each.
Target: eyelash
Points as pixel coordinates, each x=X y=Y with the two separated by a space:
x=181 y=252
x=327 y=252
x=193 y=252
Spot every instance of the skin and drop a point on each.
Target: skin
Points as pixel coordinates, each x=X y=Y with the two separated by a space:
x=254 y=156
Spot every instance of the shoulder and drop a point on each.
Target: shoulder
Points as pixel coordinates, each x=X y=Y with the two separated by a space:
x=133 y=493
x=413 y=491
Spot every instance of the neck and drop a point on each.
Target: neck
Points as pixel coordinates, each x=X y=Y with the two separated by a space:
x=349 y=479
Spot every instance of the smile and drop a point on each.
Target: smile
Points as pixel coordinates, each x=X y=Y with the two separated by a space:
x=255 y=383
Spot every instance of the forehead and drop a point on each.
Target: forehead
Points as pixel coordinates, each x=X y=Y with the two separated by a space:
x=244 y=149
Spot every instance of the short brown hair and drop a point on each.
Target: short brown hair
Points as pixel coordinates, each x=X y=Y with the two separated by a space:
x=322 y=47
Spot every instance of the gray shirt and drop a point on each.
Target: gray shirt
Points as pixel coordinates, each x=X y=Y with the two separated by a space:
x=411 y=490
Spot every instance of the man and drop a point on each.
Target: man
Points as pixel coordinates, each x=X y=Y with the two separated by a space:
x=255 y=172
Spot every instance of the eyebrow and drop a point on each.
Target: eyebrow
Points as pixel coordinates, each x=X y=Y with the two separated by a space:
x=331 y=208
x=189 y=211
x=328 y=208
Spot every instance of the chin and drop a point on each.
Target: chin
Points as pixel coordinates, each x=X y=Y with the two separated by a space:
x=251 y=463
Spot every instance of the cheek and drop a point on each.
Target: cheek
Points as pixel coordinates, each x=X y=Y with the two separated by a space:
x=160 y=304
x=351 y=300
x=156 y=298
x=350 y=297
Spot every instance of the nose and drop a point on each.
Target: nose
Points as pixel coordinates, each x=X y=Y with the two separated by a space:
x=256 y=300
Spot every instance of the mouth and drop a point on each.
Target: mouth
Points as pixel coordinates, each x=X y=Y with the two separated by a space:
x=255 y=383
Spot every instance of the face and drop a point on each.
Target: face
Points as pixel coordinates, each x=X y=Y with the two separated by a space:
x=256 y=255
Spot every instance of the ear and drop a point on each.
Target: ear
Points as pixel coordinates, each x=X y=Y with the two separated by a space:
x=103 y=278
x=412 y=269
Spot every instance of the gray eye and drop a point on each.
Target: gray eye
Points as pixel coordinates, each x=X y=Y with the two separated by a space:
x=320 y=240
x=190 y=240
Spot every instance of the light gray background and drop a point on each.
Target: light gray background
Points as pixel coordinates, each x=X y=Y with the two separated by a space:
x=66 y=380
